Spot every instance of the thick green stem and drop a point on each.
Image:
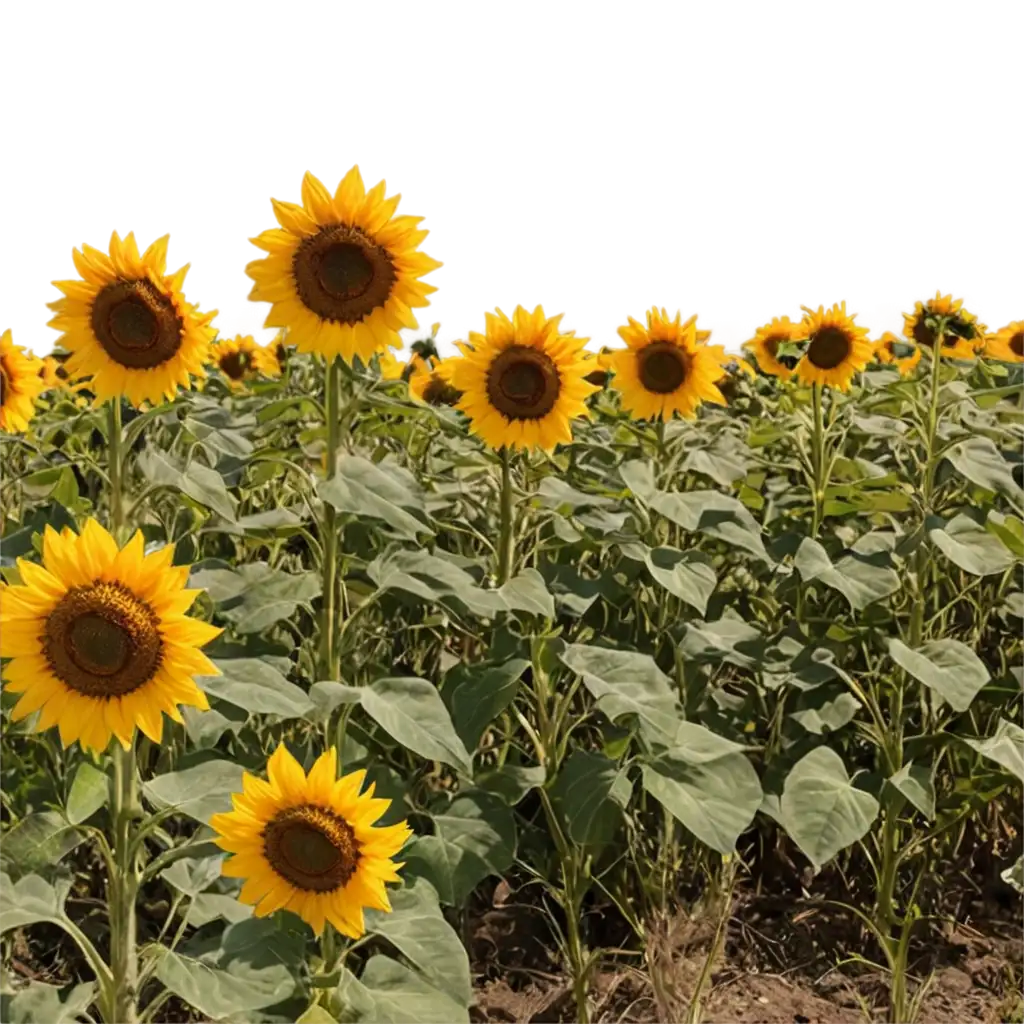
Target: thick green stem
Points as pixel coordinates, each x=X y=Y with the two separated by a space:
x=115 y=468
x=506 y=542
x=122 y=888
x=329 y=667
x=818 y=460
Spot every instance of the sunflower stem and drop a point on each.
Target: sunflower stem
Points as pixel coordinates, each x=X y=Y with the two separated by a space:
x=329 y=667
x=506 y=544
x=115 y=468
x=122 y=889
x=818 y=455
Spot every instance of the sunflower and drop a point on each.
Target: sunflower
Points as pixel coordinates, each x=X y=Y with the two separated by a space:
x=523 y=380
x=390 y=367
x=731 y=362
x=342 y=272
x=764 y=346
x=20 y=385
x=430 y=383
x=665 y=369
x=241 y=360
x=962 y=329
x=1007 y=344
x=888 y=350
x=99 y=639
x=836 y=347
x=52 y=373
x=308 y=843
x=127 y=324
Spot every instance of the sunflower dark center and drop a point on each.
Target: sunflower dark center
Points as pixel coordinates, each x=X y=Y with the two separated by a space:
x=341 y=275
x=1017 y=344
x=236 y=364
x=771 y=346
x=662 y=367
x=828 y=348
x=102 y=641
x=312 y=848
x=523 y=383
x=956 y=328
x=136 y=324
x=439 y=392
x=597 y=377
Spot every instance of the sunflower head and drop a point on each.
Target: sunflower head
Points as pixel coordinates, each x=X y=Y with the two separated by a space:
x=430 y=383
x=309 y=843
x=1007 y=344
x=342 y=272
x=944 y=315
x=765 y=344
x=522 y=380
x=127 y=325
x=99 y=640
x=242 y=360
x=837 y=349
x=898 y=352
x=21 y=383
x=52 y=373
x=665 y=369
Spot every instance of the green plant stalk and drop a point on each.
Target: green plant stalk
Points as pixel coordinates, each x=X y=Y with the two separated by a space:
x=329 y=666
x=506 y=542
x=818 y=460
x=115 y=468
x=729 y=870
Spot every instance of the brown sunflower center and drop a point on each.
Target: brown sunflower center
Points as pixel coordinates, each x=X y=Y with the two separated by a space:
x=439 y=392
x=102 y=641
x=828 y=348
x=236 y=364
x=597 y=377
x=1017 y=344
x=341 y=275
x=523 y=383
x=137 y=325
x=662 y=367
x=956 y=328
x=311 y=847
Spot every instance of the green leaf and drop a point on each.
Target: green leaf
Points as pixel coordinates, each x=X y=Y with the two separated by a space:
x=256 y=686
x=411 y=711
x=254 y=596
x=30 y=900
x=948 y=667
x=688 y=575
x=1009 y=529
x=200 y=483
x=1006 y=747
x=695 y=744
x=217 y=437
x=475 y=836
x=382 y=491
x=861 y=579
x=433 y=579
x=38 y=1002
x=728 y=639
x=476 y=696
x=315 y=1014
x=193 y=875
x=627 y=683
x=200 y=791
x=88 y=793
x=591 y=792
x=716 y=800
x=821 y=809
x=553 y=492
x=980 y=461
x=914 y=781
x=970 y=546
x=511 y=782
x=527 y=592
x=390 y=993
x=820 y=711
x=37 y=841
x=1014 y=875
x=417 y=929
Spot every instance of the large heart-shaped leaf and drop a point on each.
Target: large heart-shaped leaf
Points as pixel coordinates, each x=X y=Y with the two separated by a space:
x=1006 y=747
x=256 y=686
x=591 y=792
x=388 y=992
x=970 y=546
x=200 y=791
x=200 y=483
x=254 y=596
x=948 y=667
x=860 y=578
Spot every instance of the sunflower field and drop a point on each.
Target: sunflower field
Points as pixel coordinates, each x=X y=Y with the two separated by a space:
x=323 y=673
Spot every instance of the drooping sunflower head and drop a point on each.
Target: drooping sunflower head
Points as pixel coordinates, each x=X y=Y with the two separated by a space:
x=1007 y=344
x=898 y=352
x=309 y=843
x=52 y=373
x=522 y=380
x=430 y=383
x=960 y=329
x=342 y=272
x=20 y=385
x=99 y=639
x=764 y=347
x=127 y=324
x=665 y=369
x=837 y=349
x=241 y=360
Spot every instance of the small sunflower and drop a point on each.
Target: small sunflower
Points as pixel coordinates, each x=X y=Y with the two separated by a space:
x=837 y=348
x=430 y=383
x=962 y=330
x=20 y=385
x=127 y=324
x=523 y=380
x=241 y=360
x=898 y=352
x=764 y=346
x=99 y=639
x=308 y=843
x=665 y=369
x=731 y=362
x=390 y=367
x=1007 y=344
x=343 y=272
x=52 y=374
